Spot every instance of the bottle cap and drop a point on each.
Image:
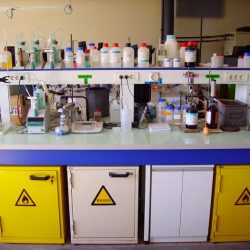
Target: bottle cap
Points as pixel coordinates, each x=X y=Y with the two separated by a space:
x=220 y=53
x=143 y=45
x=22 y=43
x=195 y=44
x=240 y=57
x=171 y=37
x=80 y=49
x=128 y=45
x=177 y=108
x=36 y=42
x=247 y=54
x=169 y=107
x=162 y=100
x=106 y=45
x=183 y=44
x=91 y=44
x=87 y=51
x=69 y=49
x=115 y=44
x=190 y=44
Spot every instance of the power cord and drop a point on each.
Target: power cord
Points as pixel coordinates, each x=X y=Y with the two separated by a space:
x=127 y=77
x=18 y=97
x=121 y=77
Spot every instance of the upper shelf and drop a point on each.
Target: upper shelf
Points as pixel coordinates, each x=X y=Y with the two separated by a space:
x=135 y=75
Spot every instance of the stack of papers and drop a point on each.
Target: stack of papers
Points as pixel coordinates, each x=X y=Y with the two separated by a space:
x=159 y=127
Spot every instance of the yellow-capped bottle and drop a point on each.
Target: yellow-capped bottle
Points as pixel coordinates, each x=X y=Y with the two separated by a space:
x=6 y=59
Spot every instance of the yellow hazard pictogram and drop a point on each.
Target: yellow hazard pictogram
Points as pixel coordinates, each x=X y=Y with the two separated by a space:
x=244 y=198
x=24 y=199
x=103 y=198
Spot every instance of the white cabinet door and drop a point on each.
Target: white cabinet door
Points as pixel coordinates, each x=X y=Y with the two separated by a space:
x=116 y=218
x=165 y=204
x=196 y=200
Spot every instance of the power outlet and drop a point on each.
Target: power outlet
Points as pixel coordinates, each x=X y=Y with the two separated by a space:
x=131 y=76
x=15 y=77
x=236 y=77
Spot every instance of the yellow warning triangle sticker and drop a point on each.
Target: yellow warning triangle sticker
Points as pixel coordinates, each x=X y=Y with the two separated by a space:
x=103 y=198
x=25 y=200
x=244 y=198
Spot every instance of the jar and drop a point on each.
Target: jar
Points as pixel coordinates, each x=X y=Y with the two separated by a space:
x=177 y=114
x=168 y=62
x=190 y=55
x=192 y=116
x=169 y=113
x=212 y=116
x=160 y=107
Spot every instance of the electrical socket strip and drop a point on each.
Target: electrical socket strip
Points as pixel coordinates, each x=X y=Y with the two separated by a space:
x=15 y=77
x=132 y=76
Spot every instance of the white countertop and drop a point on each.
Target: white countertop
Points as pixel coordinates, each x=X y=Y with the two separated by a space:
x=136 y=139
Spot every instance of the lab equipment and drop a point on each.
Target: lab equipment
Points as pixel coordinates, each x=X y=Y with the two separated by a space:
x=115 y=56
x=161 y=53
x=105 y=53
x=128 y=57
x=190 y=55
x=6 y=59
x=68 y=59
x=171 y=46
x=192 y=116
x=63 y=128
x=80 y=58
x=86 y=127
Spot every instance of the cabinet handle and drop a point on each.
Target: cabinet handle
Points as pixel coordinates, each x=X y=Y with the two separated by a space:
x=39 y=178
x=111 y=174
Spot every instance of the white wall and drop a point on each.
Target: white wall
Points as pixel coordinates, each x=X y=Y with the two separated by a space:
x=91 y=20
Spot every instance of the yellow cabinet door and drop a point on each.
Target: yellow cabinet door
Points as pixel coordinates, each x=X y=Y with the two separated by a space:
x=231 y=207
x=30 y=207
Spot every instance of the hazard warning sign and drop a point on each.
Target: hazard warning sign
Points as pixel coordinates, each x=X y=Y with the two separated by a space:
x=103 y=198
x=244 y=198
x=24 y=199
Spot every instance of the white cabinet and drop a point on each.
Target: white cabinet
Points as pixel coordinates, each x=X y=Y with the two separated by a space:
x=177 y=206
x=103 y=204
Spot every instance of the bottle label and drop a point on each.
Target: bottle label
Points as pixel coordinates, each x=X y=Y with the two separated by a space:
x=190 y=56
x=208 y=117
x=177 y=117
x=191 y=119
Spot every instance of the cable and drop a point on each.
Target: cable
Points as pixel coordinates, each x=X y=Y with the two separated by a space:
x=121 y=77
x=127 y=77
x=18 y=97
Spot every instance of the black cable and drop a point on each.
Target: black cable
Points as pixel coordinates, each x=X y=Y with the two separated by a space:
x=121 y=77
x=126 y=77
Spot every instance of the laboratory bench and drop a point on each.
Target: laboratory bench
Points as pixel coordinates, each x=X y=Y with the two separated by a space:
x=134 y=147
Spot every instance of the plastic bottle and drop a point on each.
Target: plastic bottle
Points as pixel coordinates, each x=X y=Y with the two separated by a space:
x=6 y=59
x=182 y=53
x=143 y=56
x=126 y=122
x=95 y=57
x=168 y=62
x=63 y=129
x=220 y=59
x=80 y=58
x=169 y=113
x=176 y=62
x=56 y=51
x=214 y=61
x=161 y=53
x=190 y=55
x=25 y=54
x=87 y=58
x=38 y=52
x=246 y=60
x=192 y=116
x=160 y=107
x=128 y=56
x=115 y=56
x=195 y=45
x=105 y=55
x=177 y=114
x=98 y=115
x=91 y=46
x=212 y=115
x=171 y=46
x=240 y=62
x=68 y=58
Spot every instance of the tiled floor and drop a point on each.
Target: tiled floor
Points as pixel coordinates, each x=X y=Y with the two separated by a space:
x=162 y=246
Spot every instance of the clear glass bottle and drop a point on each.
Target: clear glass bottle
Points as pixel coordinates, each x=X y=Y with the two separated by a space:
x=192 y=116
x=6 y=59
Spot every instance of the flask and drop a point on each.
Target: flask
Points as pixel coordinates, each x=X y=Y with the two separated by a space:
x=240 y=62
x=115 y=56
x=214 y=61
x=160 y=107
x=246 y=60
x=212 y=115
x=190 y=55
x=6 y=59
x=68 y=59
x=95 y=57
x=87 y=59
x=128 y=56
x=171 y=46
x=161 y=53
x=80 y=58
x=105 y=55
x=192 y=116
x=143 y=56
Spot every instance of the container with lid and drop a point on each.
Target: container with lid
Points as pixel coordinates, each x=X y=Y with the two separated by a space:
x=143 y=56
x=169 y=113
x=171 y=46
x=160 y=107
x=105 y=55
x=192 y=116
x=177 y=114
x=115 y=56
x=68 y=58
x=128 y=57
x=190 y=55
x=246 y=60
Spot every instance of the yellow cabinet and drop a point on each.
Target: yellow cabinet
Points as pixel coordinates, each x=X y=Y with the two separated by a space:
x=31 y=207
x=231 y=205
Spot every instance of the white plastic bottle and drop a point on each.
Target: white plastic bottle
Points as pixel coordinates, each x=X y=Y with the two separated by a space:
x=143 y=56
x=126 y=121
x=87 y=60
x=105 y=55
x=115 y=56
x=68 y=58
x=182 y=53
x=214 y=61
x=171 y=46
x=128 y=56
x=240 y=62
x=160 y=107
x=80 y=58
x=246 y=60
x=95 y=57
